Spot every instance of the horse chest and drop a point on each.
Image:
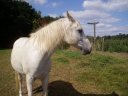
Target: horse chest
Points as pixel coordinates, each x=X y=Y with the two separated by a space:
x=39 y=65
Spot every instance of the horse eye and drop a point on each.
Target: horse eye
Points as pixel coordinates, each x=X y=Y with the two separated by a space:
x=80 y=31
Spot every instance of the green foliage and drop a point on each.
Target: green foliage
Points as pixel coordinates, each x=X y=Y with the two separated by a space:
x=61 y=60
x=18 y=18
x=118 y=43
x=69 y=54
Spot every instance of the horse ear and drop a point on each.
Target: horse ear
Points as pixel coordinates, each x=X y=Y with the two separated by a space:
x=70 y=17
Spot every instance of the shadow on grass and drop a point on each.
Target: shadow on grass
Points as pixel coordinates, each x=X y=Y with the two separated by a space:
x=62 y=88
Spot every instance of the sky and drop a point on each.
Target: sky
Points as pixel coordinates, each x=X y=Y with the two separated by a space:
x=112 y=15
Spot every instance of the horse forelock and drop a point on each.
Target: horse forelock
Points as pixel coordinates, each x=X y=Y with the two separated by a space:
x=51 y=35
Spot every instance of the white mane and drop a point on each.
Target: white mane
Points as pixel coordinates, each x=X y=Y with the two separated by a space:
x=51 y=35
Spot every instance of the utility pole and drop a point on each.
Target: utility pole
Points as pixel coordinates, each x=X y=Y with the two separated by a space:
x=94 y=42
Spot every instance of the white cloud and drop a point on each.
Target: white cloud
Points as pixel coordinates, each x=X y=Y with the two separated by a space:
x=37 y=1
x=110 y=5
x=105 y=26
x=53 y=15
x=105 y=29
x=54 y=4
x=94 y=15
x=94 y=4
x=40 y=1
x=103 y=12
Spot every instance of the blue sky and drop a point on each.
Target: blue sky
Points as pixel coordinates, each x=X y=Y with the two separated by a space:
x=112 y=15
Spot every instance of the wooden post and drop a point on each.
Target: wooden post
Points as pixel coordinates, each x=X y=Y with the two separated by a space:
x=103 y=44
x=94 y=42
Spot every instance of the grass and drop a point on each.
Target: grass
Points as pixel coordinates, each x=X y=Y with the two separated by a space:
x=7 y=83
x=73 y=74
x=105 y=72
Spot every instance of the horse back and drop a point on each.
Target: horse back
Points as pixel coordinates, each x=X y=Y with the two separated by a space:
x=20 y=42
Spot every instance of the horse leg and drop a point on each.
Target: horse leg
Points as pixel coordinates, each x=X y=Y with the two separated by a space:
x=20 y=84
x=45 y=85
x=29 y=81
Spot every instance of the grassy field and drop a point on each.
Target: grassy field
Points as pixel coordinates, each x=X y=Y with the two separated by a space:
x=73 y=74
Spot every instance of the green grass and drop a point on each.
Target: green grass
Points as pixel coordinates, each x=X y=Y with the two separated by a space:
x=105 y=72
x=7 y=81
x=61 y=60
x=68 y=54
x=73 y=74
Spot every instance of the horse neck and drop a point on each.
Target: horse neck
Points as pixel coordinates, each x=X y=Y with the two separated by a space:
x=49 y=37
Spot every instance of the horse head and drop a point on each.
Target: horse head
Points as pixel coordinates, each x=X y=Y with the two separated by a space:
x=75 y=35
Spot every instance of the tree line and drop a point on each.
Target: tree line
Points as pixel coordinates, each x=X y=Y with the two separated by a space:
x=17 y=19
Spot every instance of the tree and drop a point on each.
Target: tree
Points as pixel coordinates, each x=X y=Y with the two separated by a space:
x=17 y=18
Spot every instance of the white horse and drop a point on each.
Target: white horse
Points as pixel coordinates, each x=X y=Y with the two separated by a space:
x=31 y=55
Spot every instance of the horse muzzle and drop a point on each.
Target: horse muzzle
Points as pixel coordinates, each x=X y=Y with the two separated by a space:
x=86 y=51
x=85 y=46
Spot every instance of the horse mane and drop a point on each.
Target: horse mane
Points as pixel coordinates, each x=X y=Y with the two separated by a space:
x=49 y=36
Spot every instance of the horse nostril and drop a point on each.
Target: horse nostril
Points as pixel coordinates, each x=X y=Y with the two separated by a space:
x=85 y=52
x=89 y=52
